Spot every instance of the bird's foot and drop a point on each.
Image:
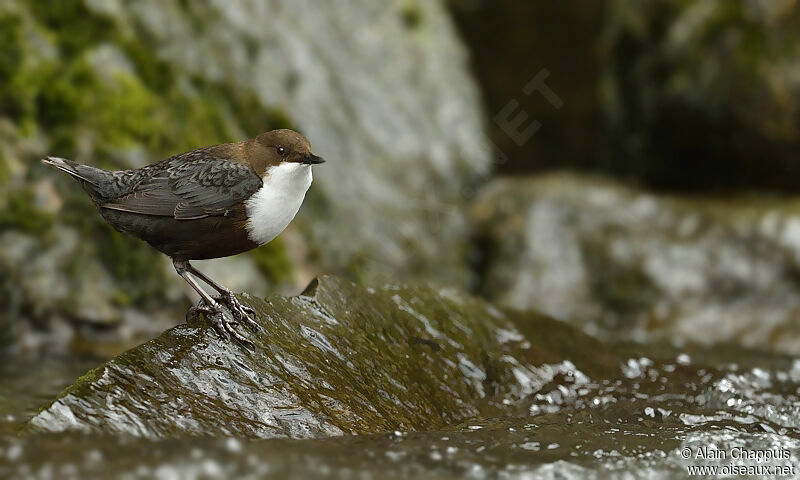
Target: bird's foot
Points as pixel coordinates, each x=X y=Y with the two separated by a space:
x=241 y=313
x=223 y=325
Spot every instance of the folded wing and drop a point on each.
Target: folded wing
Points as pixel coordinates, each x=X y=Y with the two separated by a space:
x=189 y=187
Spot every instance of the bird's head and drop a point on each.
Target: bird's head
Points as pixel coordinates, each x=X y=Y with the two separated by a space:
x=281 y=146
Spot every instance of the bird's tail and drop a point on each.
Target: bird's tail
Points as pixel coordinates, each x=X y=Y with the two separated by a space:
x=99 y=184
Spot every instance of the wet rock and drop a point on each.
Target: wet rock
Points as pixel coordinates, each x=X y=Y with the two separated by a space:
x=408 y=360
x=338 y=359
x=635 y=421
x=120 y=85
x=624 y=263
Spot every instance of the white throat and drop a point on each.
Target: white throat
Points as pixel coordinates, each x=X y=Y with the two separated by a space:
x=273 y=206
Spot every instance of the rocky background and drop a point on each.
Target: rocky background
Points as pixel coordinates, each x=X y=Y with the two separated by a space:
x=120 y=85
x=424 y=180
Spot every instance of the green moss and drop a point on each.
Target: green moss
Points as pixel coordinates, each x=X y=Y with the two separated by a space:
x=121 y=111
x=18 y=212
x=78 y=28
x=411 y=16
x=5 y=174
x=79 y=387
x=355 y=268
x=129 y=261
x=11 y=52
x=196 y=121
x=11 y=59
x=67 y=96
x=244 y=106
x=64 y=101
x=155 y=74
x=20 y=76
x=273 y=262
x=98 y=114
x=133 y=263
x=126 y=112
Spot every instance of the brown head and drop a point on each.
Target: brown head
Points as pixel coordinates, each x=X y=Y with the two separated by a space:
x=278 y=146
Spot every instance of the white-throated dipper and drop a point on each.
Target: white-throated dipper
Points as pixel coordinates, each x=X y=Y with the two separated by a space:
x=211 y=202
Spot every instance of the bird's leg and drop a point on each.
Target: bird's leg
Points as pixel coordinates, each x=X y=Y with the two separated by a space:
x=210 y=307
x=240 y=312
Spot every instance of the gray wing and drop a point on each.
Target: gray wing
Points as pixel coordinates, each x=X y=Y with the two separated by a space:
x=188 y=187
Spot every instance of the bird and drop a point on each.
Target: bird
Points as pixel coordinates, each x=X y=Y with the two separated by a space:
x=211 y=202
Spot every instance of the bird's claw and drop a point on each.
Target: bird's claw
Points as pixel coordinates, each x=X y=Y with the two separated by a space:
x=225 y=327
x=242 y=313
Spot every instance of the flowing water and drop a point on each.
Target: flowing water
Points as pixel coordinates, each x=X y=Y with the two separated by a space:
x=740 y=404
x=400 y=382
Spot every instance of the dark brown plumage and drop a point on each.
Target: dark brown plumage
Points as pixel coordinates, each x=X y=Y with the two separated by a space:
x=193 y=205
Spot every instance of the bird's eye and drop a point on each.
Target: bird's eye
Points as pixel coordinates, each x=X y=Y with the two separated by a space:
x=281 y=151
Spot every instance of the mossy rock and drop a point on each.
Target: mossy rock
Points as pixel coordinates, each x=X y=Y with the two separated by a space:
x=119 y=85
x=703 y=95
x=17 y=212
x=338 y=359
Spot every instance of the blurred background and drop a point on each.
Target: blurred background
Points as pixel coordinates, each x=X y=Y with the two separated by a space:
x=629 y=167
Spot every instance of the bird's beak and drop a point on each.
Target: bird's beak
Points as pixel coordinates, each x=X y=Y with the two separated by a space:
x=312 y=159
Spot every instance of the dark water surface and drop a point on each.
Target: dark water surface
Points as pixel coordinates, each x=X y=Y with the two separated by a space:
x=729 y=401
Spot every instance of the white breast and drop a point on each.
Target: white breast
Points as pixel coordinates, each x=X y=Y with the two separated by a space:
x=271 y=209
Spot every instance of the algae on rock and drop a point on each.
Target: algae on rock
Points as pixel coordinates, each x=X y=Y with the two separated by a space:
x=338 y=359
